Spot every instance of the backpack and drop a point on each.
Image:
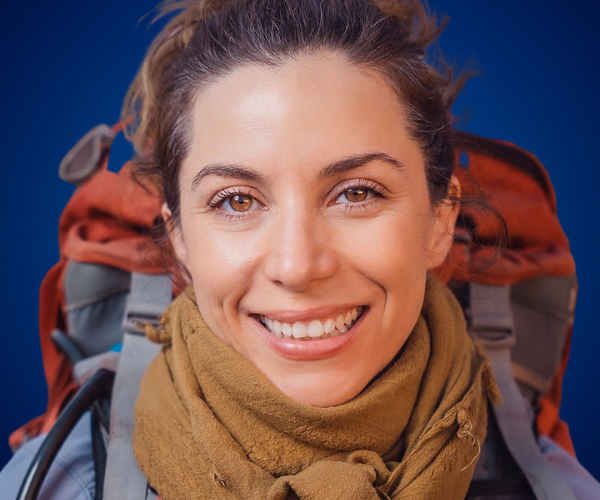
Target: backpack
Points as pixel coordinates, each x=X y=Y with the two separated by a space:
x=110 y=279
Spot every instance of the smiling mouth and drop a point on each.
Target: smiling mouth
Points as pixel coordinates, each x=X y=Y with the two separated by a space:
x=316 y=329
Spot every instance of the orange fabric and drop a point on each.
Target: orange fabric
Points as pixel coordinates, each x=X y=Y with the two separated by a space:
x=56 y=366
x=537 y=247
x=102 y=223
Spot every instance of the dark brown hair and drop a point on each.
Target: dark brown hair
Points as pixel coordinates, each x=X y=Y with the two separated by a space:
x=209 y=39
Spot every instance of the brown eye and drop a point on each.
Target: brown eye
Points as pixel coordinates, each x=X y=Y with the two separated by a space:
x=356 y=195
x=240 y=202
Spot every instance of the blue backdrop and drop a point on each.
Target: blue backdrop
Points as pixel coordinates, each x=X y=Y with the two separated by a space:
x=65 y=67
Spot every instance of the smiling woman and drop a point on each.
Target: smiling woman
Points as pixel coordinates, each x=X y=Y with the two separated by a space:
x=328 y=195
x=304 y=156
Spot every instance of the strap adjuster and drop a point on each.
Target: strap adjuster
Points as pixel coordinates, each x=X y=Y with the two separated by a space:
x=148 y=298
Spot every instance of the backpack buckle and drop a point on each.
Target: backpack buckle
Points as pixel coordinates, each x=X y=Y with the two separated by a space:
x=149 y=295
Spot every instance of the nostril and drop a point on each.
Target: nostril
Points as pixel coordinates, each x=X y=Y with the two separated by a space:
x=299 y=252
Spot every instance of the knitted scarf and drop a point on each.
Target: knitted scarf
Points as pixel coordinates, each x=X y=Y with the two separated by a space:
x=210 y=425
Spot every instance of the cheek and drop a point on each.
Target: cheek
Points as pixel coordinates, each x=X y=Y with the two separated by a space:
x=220 y=263
x=221 y=269
x=391 y=252
x=393 y=242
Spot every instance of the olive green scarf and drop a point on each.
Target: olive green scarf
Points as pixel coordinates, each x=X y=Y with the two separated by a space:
x=210 y=425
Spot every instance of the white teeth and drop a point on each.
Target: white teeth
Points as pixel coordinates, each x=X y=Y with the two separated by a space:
x=299 y=330
x=286 y=329
x=348 y=318
x=329 y=325
x=316 y=328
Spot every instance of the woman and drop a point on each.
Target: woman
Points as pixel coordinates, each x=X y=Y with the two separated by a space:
x=304 y=156
x=306 y=199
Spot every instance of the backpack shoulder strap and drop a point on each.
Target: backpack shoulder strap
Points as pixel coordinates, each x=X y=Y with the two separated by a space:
x=148 y=297
x=492 y=324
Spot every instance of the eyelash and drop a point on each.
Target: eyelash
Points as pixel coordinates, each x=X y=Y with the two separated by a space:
x=376 y=190
x=218 y=199
x=222 y=196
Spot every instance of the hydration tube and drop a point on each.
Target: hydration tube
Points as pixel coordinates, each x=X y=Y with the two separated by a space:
x=93 y=389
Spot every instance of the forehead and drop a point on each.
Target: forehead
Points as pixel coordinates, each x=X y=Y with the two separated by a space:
x=308 y=111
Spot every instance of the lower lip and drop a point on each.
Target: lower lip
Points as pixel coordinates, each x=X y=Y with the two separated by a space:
x=310 y=350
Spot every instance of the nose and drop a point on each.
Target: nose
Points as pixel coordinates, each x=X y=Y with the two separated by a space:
x=300 y=250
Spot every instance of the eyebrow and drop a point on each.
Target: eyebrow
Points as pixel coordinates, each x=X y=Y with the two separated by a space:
x=227 y=170
x=335 y=168
x=352 y=162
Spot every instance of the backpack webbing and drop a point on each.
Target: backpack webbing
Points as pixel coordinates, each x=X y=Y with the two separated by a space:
x=148 y=297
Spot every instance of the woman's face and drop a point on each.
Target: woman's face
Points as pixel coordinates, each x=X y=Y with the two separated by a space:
x=306 y=225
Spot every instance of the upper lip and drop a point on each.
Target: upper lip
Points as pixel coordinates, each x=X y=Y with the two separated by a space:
x=304 y=315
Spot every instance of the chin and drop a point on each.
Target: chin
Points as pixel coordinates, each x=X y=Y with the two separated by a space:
x=320 y=388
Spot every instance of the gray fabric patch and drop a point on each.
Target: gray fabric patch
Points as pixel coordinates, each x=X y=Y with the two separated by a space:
x=95 y=307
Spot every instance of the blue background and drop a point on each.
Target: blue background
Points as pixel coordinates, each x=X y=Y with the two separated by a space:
x=65 y=67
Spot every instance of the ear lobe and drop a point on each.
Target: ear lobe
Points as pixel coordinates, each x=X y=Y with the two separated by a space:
x=165 y=212
x=175 y=236
x=445 y=221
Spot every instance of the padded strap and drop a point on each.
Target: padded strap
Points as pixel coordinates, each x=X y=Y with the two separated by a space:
x=148 y=297
x=492 y=323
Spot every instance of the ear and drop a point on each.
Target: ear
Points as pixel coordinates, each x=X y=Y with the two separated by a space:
x=445 y=216
x=175 y=237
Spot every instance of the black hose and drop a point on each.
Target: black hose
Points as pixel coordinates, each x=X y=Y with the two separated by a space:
x=67 y=346
x=100 y=454
x=95 y=387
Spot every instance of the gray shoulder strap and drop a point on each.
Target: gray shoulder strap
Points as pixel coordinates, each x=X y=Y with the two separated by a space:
x=148 y=297
x=492 y=323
